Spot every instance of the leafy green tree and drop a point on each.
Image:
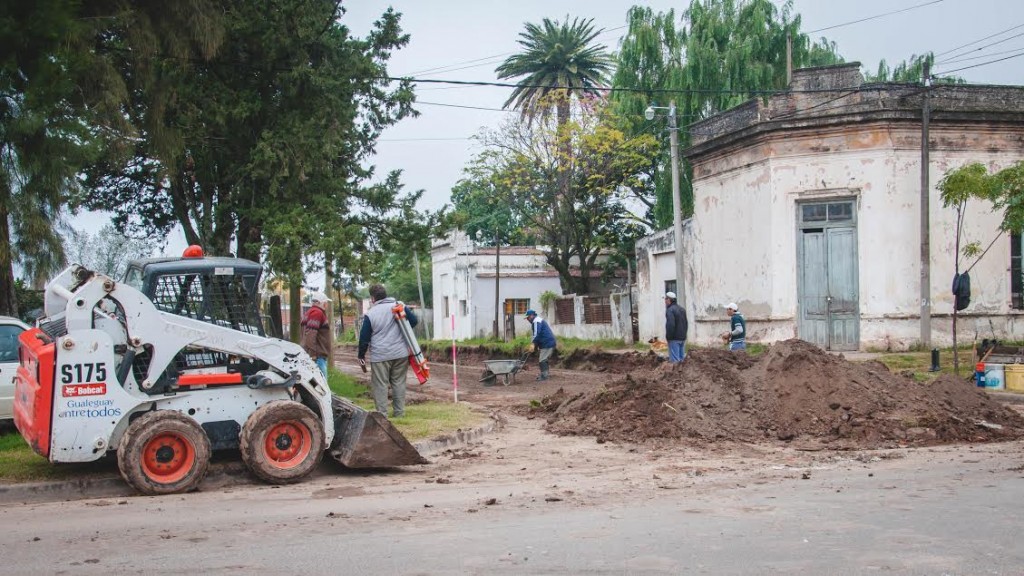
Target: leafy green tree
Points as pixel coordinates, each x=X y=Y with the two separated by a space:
x=578 y=224
x=720 y=54
x=557 y=58
x=1003 y=189
x=261 y=150
x=398 y=273
x=910 y=71
x=63 y=102
x=479 y=209
x=30 y=301
x=262 y=147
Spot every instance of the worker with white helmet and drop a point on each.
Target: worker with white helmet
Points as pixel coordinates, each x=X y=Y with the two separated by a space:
x=736 y=337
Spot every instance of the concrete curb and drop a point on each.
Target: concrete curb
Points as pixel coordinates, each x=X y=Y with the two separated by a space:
x=221 y=475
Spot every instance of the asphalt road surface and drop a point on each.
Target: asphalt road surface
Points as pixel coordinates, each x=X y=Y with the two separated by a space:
x=522 y=501
x=491 y=510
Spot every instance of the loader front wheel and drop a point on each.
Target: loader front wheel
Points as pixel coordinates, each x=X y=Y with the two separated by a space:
x=164 y=452
x=282 y=442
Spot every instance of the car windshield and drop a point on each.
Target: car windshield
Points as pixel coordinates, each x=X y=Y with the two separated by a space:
x=9 y=342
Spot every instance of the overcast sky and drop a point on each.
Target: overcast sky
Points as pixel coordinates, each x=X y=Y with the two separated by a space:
x=454 y=35
x=467 y=39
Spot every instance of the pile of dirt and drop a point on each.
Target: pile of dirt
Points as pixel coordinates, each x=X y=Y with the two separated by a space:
x=794 y=392
x=610 y=362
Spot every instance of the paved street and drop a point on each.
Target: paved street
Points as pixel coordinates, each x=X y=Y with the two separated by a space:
x=949 y=510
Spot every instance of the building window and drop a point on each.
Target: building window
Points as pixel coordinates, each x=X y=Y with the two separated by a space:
x=838 y=211
x=517 y=306
x=565 y=312
x=464 y=308
x=597 y=310
x=670 y=286
x=447 y=311
x=1016 y=273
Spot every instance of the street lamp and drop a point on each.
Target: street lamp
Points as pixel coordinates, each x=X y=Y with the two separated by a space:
x=677 y=215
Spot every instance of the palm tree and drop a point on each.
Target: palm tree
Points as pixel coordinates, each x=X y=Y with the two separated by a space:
x=558 y=58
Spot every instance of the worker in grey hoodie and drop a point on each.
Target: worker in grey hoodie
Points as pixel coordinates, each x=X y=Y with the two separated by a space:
x=389 y=353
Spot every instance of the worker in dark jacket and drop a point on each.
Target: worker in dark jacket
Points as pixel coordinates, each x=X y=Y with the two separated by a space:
x=389 y=353
x=676 y=327
x=544 y=340
x=316 y=336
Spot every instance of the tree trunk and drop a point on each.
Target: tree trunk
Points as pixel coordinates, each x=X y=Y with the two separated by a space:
x=295 y=312
x=248 y=236
x=8 y=299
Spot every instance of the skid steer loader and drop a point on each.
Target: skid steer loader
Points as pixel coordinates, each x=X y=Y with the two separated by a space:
x=174 y=362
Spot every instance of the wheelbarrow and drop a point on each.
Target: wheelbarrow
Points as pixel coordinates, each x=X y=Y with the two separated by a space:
x=505 y=368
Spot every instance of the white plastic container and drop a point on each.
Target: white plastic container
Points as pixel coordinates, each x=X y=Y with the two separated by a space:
x=995 y=377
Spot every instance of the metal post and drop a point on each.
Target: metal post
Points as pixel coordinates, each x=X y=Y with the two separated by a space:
x=926 y=285
x=677 y=213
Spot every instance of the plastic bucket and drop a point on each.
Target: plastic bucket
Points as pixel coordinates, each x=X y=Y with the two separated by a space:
x=979 y=374
x=995 y=377
x=1014 y=377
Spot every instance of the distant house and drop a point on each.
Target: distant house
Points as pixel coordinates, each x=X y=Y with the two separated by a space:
x=464 y=280
x=807 y=214
x=465 y=277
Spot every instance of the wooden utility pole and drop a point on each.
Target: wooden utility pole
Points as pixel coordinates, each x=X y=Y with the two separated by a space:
x=789 y=59
x=328 y=290
x=497 y=282
x=677 y=209
x=926 y=284
x=423 y=303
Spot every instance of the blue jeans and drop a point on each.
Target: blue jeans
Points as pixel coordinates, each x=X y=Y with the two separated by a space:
x=737 y=345
x=676 y=350
x=321 y=361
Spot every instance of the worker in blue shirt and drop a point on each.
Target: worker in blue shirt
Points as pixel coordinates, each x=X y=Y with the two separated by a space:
x=544 y=340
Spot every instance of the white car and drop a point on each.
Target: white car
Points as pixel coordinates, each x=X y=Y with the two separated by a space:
x=10 y=329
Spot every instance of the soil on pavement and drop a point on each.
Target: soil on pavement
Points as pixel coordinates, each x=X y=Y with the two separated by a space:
x=795 y=393
x=620 y=426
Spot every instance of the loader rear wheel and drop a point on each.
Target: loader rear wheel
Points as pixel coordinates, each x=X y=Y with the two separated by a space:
x=164 y=452
x=282 y=442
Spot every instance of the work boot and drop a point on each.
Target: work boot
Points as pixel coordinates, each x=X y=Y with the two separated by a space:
x=542 y=377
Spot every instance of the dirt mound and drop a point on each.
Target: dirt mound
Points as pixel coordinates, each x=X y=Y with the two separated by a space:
x=611 y=362
x=795 y=392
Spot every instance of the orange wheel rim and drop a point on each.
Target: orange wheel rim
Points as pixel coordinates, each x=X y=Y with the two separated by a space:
x=168 y=457
x=288 y=444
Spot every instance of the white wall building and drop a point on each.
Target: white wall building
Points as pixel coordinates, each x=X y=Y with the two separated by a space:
x=807 y=214
x=464 y=285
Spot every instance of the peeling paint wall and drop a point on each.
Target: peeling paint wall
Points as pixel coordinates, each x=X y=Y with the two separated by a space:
x=752 y=167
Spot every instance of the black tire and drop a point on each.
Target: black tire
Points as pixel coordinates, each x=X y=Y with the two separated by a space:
x=282 y=442
x=488 y=378
x=164 y=452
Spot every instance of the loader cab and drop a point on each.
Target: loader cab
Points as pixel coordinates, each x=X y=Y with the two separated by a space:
x=217 y=290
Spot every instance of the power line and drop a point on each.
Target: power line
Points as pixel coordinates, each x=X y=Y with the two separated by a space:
x=477 y=62
x=875 y=17
x=989 y=55
x=982 y=48
x=982 y=64
x=980 y=40
x=422 y=139
x=612 y=90
x=458 y=64
x=463 y=106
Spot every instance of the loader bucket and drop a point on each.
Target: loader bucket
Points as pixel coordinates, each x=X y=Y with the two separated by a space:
x=365 y=439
